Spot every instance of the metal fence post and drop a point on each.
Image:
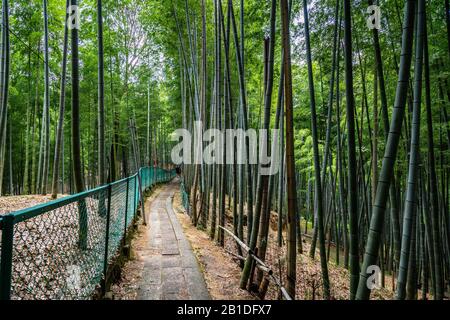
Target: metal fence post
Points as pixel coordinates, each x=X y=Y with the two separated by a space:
x=6 y=257
x=152 y=177
x=141 y=197
x=134 y=197
x=126 y=211
x=108 y=218
x=146 y=179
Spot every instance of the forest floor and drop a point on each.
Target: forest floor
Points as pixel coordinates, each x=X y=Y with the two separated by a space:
x=220 y=268
x=222 y=272
x=13 y=203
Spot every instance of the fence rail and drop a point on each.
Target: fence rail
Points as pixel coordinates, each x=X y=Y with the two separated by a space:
x=261 y=265
x=63 y=249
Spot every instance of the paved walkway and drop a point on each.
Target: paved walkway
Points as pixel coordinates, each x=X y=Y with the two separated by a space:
x=171 y=271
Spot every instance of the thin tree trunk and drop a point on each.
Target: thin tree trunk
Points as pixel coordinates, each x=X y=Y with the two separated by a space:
x=352 y=166
x=377 y=220
x=447 y=19
x=46 y=113
x=261 y=214
x=101 y=97
x=318 y=179
x=203 y=94
x=290 y=158
x=411 y=201
x=76 y=143
x=33 y=151
x=5 y=68
x=244 y=111
x=10 y=167
x=28 y=136
x=435 y=220
x=385 y=117
x=62 y=102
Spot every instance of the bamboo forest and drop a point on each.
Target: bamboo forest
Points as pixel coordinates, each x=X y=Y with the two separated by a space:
x=225 y=150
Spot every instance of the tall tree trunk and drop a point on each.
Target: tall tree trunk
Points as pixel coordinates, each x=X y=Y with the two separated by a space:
x=374 y=162
x=329 y=113
x=101 y=97
x=234 y=178
x=215 y=111
x=149 y=142
x=318 y=182
x=352 y=166
x=76 y=143
x=28 y=136
x=387 y=169
x=260 y=216
x=385 y=118
x=5 y=69
x=204 y=78
x=33 y=148
x=339 y=155
x=62 y=102
x=281 y=183
x=290 y=160
x=411 y=201
x=224 y=125
x=447 y=19
x=244 y=113
x=46 y=114
x=435 y=219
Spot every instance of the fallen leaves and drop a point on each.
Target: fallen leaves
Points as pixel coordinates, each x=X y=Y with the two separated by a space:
x=221 y=272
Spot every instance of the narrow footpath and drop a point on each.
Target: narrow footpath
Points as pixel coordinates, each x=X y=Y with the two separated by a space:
x=171 y=270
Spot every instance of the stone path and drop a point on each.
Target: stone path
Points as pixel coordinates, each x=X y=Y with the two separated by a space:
x=171 y=270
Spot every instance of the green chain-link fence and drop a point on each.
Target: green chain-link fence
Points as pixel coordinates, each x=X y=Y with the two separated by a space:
x=63 y=249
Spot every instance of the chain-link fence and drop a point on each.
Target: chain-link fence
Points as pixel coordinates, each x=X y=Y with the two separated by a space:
x=63 y=249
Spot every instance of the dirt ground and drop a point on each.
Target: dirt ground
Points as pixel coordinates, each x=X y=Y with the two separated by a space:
x=221 y=270
x=222 y=273
x=217 y=263
x=13 y=203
